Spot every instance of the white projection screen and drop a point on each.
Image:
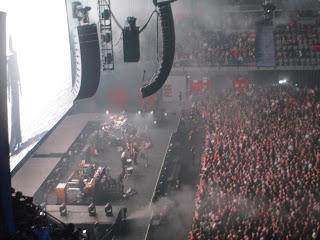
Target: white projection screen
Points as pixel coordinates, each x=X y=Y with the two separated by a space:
x=39 y=71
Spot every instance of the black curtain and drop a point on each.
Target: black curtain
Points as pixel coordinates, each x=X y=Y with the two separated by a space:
x=7 y=220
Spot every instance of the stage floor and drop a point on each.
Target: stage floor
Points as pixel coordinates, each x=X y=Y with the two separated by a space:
x=36 y=169
x=32 y=174
x=143 y=180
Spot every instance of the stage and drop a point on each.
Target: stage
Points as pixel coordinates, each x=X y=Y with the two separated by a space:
x=32 y=174
x=143 y=180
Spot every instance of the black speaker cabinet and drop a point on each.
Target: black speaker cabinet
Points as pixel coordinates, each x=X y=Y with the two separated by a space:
x=90 y=60
x=131 y=44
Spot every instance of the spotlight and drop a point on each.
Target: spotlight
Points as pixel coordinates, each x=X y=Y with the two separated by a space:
x=283 y=81
x=106 y=37
x=92 y=210
x=106 y=14
x=76 y=9
x=155 y=122
x=139 y=112
x=85 y=234
x=165 y=114
x=63 y=210
x=86 y=14
x=107 y=112
x=268 y=8
x=109 y=58
x=151 y=112
x=79 y=12
x=43 y=206
x=108 y=210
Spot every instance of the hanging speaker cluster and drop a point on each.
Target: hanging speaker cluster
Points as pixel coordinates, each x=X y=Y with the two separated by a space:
x=90 y=60
x=131 y=41
x=168 y=35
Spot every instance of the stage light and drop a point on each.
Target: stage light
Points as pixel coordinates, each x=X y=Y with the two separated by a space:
x=108 y=210
x=43 y=206
x=79 y=12
x=85 y=234
x=76 y=9
x=109 y=58
x=139 y=112
x=92 y=210
x=107 y=112
x=86 y=14
x=107 y=37
x=106 y=14
x=154 y=122
x=165 y=114
x=283 y=81
x=151 y=112
x=63 y=210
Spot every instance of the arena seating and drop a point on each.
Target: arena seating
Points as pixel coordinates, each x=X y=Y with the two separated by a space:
x=297 y=44
x=217 y=49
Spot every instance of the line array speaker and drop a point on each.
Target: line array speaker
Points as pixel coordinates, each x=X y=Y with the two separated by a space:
x=90 y=60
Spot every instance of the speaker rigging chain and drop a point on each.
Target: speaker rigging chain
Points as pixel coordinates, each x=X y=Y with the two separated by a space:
x=146 y=24
x=120 y=38
x=131 y=4
x=114 y=18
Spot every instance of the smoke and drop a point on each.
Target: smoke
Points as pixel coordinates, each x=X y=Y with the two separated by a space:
x=146 y=212
x=281 y=20
x=181 y=203
x=299 y=5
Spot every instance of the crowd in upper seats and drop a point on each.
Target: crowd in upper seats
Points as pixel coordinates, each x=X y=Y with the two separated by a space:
x=232 y=42
x=208 y=48
x=297 y=44
x=260 y=171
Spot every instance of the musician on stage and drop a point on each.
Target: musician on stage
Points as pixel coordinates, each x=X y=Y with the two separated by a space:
x=135 y=152
x=143 y=155
x=123 y=161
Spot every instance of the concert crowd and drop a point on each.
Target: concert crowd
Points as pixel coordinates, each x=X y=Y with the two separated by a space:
x=260 y=170
x=217 y=49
